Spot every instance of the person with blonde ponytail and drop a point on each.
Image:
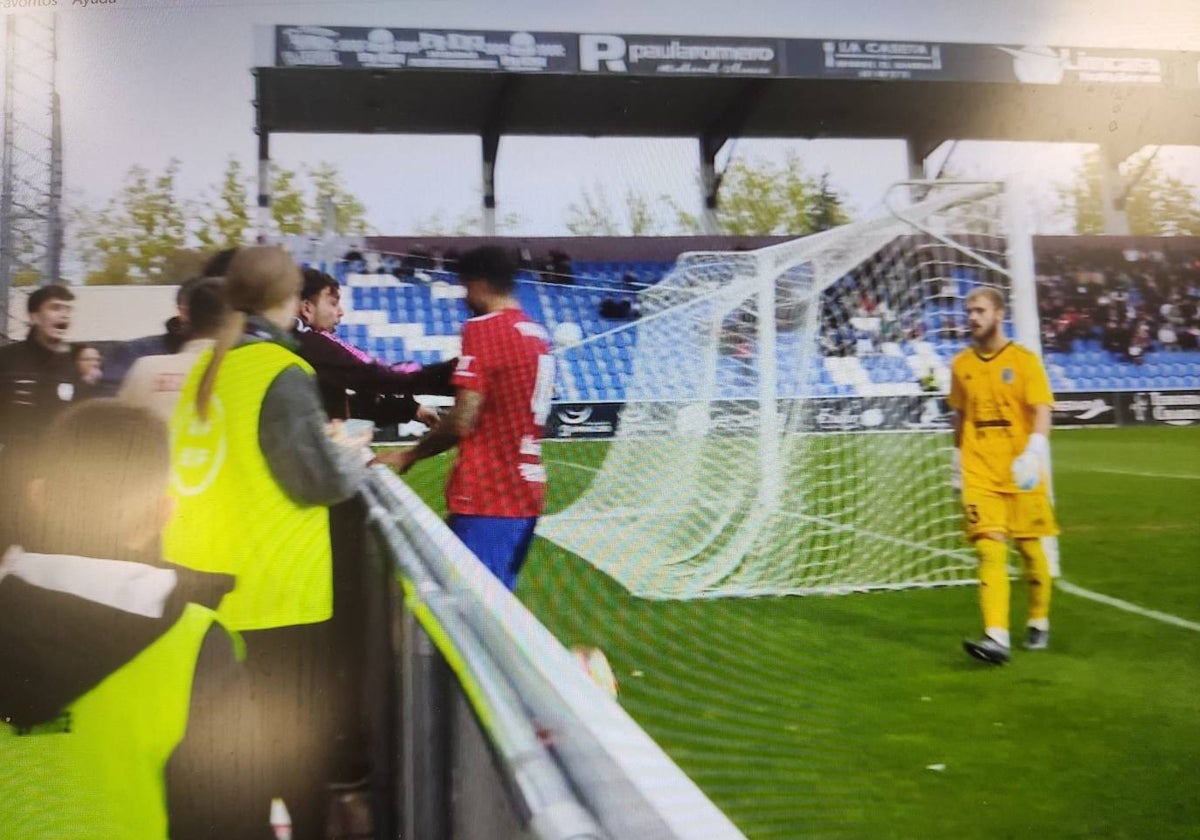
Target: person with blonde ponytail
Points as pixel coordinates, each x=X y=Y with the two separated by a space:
x=255 y=466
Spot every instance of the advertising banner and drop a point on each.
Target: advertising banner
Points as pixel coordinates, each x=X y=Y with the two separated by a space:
x=697 y=55
x=1035 y=65
x=572 y=421
x=1086 y=409
x=583 y=421
x=1158 y=408
x=865 y=59
x=928 y=412
x=653 y=55
x=386 y=47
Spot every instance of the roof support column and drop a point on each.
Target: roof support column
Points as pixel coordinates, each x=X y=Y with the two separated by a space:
x=264 y=186
x=918 y=150
x=710 y=182
x=491 y=148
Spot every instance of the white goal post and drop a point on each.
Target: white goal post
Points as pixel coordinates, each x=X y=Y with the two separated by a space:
x=784 y=428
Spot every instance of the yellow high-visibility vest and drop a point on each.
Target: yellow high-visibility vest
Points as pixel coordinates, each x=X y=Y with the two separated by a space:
x=231 y=515
x=96 y=772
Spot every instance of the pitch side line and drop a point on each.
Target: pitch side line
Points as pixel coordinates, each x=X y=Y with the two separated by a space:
x=1141 y=473
x=1166 y=618
x=957 y=554
x=571 y=464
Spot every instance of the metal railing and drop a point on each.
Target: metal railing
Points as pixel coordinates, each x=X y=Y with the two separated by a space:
x=543 y=752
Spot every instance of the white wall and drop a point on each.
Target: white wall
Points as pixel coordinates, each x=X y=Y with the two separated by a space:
x=105 y=313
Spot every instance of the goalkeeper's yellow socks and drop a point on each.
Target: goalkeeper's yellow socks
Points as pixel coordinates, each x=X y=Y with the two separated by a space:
x=1037 y=573
x=993 y=588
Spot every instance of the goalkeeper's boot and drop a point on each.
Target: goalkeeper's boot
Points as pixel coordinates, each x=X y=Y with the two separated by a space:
x=987 y=650
x=1036 y=639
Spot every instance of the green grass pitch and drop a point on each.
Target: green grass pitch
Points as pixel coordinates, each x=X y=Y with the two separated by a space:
x=858 y=716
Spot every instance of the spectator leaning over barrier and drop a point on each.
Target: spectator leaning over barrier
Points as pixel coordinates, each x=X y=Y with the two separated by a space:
x=352 y=383
x=155 y=381
x=255 y=465
x=101 y=643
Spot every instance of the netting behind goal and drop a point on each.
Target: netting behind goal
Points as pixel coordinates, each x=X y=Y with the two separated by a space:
x=784 y=428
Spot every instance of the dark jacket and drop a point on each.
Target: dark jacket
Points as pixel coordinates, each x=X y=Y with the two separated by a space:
x=56 y=645
x=120 y=358
x=354 y=385
x=35 y=385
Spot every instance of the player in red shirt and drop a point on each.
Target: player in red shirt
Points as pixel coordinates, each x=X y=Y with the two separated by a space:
x=504 y=382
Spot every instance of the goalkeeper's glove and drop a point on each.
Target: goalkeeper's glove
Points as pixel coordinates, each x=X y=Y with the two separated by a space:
x=1027 y=467
x=956 y=469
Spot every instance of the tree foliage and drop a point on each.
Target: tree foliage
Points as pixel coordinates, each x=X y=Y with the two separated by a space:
x=1157 y=203
x=333 y=206
x=142 y=226
x=756 y=198
x=225 y=223
x=764 y=198
x=466 y=223
x=288 y=206
x=593 y=215
x=148 y=233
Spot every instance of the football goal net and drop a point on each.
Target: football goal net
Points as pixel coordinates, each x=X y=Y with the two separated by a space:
x=784 y=428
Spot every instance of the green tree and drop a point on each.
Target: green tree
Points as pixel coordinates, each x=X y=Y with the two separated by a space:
x=826 y=209
x=593 y=215
x=1157 y=203
x=226 y=225
x=349 y=214
x=466 y=223
x=134 y=238
x=289 y=208
x=763 y=198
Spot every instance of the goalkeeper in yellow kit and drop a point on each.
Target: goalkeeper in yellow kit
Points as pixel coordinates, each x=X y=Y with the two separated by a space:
x=1001 y=400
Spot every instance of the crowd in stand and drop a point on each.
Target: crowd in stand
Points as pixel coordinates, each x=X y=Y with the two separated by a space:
x=425 y=264
x=1129 y=302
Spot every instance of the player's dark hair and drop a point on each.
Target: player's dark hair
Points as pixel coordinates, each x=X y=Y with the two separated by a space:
x=207 y=307
x=218 y=264
x=495 y=265
x=52 y=292
x=104 y=467
x=316 y=281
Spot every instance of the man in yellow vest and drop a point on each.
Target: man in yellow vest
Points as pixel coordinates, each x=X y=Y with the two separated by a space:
x=99 y=651
x=255 y=466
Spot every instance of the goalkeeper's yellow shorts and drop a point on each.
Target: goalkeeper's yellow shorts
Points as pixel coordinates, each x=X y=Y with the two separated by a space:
x=1016 y=515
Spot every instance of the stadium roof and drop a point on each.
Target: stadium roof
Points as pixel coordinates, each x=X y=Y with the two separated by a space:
x=487 y=83
x=427 y=81
x=469 y=102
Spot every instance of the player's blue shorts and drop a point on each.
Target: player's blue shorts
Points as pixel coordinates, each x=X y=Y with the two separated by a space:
x=500 y=542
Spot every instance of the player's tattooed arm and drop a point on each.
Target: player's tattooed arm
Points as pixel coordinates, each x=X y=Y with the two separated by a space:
x=452 y=428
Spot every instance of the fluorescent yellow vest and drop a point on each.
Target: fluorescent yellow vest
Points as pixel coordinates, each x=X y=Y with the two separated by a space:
x=96 y=773
x=231 y=515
